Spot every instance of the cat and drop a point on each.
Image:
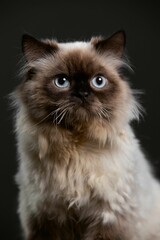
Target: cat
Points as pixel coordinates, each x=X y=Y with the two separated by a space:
x=82 y=174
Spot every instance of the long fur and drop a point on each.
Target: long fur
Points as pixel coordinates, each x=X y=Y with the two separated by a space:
x=82 y=174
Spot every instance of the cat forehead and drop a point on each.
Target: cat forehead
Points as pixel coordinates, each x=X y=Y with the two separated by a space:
x=80 y=57
x=74 y=45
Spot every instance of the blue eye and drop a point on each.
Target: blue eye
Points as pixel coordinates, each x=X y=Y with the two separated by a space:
x=62 y=81
x=99 y=81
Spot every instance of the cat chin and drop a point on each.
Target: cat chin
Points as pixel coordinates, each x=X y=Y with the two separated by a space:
x=91 y=130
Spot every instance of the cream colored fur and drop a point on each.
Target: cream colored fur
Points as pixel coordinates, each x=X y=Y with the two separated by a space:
x=55 y=168
x=119 y=175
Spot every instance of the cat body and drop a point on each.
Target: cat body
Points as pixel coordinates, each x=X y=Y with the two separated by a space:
x=82 y=174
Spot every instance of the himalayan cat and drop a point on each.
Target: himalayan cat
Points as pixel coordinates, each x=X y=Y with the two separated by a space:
x=82 y=174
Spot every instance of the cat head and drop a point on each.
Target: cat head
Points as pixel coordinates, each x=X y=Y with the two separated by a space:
x=78 y=84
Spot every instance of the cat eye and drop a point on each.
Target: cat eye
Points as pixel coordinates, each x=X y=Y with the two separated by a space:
x=62 y=81
x=99 y=81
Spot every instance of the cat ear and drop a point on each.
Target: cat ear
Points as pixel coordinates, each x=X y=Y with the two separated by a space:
x=114 y=44
x=34 y=49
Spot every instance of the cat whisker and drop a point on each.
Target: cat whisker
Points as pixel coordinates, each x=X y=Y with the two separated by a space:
x=62 y=117
x=99 y=115
x=43 y=119
x=62 y=105
x=105 y=113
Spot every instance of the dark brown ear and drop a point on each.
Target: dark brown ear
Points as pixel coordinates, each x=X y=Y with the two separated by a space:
x=34 y=49
x=114 y=44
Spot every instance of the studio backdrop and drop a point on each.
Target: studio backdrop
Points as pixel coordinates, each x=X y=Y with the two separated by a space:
x=77 y=20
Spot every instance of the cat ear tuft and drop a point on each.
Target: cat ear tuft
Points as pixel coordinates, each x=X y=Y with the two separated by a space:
x=34 y=49
x=114 y=44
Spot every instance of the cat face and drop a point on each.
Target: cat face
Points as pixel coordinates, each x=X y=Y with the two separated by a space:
x=74 y=84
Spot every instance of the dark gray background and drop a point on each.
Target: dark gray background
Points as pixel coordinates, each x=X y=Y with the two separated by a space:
x=70 y=20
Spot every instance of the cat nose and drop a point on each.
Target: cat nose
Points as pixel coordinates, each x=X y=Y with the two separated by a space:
x=83 y=94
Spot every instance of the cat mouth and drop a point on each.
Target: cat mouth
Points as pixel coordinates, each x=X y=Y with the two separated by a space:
x=76 y=113
x=79 y=112
x=80 y=100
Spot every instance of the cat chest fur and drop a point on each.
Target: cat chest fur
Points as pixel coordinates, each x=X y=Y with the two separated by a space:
x=82 y=174
x=94 y=181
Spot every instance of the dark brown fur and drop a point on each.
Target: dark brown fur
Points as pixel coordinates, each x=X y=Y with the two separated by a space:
x=43 y=228
x=44 y=98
